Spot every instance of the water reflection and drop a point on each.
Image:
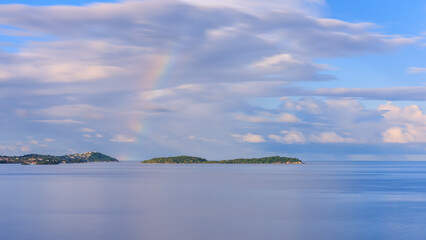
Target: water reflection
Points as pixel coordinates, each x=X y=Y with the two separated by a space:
x=327 y=200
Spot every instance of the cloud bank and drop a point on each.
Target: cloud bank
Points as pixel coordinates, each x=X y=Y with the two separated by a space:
x=148 y=78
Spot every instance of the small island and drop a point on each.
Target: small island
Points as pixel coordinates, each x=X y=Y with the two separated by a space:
x=198 y=160
x=49 y=159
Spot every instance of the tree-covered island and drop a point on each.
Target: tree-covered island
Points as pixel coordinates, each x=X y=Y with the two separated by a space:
x=196 y=160
x=49 y=159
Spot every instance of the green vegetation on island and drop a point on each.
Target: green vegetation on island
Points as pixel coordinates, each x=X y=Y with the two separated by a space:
x=49 y=159
x=88 y=157
x=191 y=160
x=264 y=160
x=178 y=159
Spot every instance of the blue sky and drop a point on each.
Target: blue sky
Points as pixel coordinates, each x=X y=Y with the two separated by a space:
x=315 y=79
x=53 y=2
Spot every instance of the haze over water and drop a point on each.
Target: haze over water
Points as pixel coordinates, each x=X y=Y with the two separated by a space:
x=127 y=200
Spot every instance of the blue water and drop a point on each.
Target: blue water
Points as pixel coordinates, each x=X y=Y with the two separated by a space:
x=317 y=200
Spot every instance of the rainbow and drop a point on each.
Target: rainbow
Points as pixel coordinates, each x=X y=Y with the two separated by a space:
x=161 y=68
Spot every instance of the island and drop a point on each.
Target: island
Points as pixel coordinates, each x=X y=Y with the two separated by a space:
x=49 y=159
x=198 y=160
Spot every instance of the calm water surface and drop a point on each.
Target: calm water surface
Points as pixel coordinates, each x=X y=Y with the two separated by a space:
x=126 y=201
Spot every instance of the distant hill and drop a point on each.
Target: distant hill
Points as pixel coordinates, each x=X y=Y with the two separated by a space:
x=88 y=157
x=190 y=160
x=49 y=159
x=178 y=159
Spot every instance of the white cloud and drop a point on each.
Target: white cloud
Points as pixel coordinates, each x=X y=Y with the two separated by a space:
x=306 y=105
x=8 y=147
x=59 y=121
x=59 y=72
x=254 y=119
x=275 y=63
x=390 y=93
x=330 y=121
x=297 y=137
x=251 y=138
x=204 y=139
x=122 y=42
x=407 y=124
x=167 y=69
x=416 y=70
x=25 y=148
x=288 y=118
x=263 y=117
x=402 y=115
x=123 y=139
x=330 y=137
x=87 y=130
x=406 y=134
x=289 y=137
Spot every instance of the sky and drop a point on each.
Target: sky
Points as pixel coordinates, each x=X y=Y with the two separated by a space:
x=314 y=79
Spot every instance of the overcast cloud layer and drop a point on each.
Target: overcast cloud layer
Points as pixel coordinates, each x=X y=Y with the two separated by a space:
x=138 y=79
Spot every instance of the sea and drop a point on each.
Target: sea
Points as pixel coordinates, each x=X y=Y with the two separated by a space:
x=132 y=201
